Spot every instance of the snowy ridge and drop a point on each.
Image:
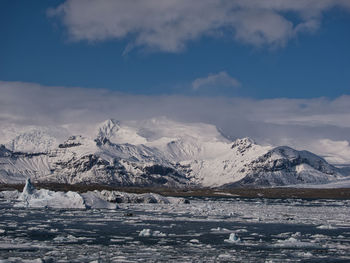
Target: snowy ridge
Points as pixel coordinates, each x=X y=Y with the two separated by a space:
x=34 y=139
x=158 y=152
x=286 y=166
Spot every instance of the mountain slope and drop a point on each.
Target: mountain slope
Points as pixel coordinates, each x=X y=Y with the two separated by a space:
x=286 y=166
x=160 y=152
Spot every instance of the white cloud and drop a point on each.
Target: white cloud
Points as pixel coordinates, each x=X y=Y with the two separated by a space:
x=168 y=25
x=336 y=152
x=320 y=125
x=218 y=80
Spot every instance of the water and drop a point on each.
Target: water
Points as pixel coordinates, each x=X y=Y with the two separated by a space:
x=269 y=231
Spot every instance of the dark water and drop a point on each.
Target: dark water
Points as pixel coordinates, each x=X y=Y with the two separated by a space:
x=269 y=231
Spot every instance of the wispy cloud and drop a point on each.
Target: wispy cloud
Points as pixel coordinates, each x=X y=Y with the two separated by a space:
x=218 y=80
x=168 y=25
x=320 y=125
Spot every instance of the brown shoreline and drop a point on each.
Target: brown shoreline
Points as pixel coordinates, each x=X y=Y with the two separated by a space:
x=305 y=193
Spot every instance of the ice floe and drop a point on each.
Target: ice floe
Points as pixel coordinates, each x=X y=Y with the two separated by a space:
x=295 y=242
x=326 y=227
x=146 y=232
x=21 y=260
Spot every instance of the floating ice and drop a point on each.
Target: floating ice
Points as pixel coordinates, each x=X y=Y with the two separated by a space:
x=145 y=232
x=326 y=227
x=93 y=200
x=219 y=230
x=9 y=195
x=294 y=242
x=148 y=232
x=21 y=260
x=158 y=234
x=68 y=238
x=233 y=239
x=148 y=198
x=43 y=198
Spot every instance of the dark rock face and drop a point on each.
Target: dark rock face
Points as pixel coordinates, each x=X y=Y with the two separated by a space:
x=4 y=152
x=242 y=144
x=69 y=145
x=114 y=172
x=72 y=141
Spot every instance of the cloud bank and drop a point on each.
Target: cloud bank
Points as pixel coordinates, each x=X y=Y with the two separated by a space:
x=168 y=25
x=320 y=125
x=221 y=79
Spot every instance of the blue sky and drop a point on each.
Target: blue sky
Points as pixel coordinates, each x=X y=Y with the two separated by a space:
x=277 y=71
x=38 y=46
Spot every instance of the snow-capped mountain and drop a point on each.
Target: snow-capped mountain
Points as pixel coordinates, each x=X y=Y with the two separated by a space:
x=158 y=152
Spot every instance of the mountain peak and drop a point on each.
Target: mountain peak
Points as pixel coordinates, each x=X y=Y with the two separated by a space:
x=242 y=144
x=107 y=128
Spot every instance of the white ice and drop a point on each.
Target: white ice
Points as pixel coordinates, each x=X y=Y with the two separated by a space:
x=233 y=238
x=43 y=198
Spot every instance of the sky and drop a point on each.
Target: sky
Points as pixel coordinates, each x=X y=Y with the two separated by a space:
x=275 y=70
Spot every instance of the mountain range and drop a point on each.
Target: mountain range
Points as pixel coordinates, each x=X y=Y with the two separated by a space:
x=158 y=152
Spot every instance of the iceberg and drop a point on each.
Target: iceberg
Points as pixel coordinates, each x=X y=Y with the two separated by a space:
x=43 y=198
x=147 y=198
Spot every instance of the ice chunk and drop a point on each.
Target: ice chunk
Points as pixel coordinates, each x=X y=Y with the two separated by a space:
x=326 y=227
x=28 y=188
x=148 y=232
x=16 y=259
x=233 y=238
x=294 y=242
x=158 y=234
x=67 y=239
x=219 y=230
x=9 y=195
x=151 y=198
x=92 y=200
x=145 y=232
